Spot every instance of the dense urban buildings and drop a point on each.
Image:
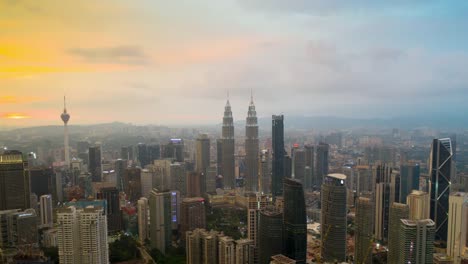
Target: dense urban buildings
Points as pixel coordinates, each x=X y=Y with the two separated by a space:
x=354 y=149
x=260 y=203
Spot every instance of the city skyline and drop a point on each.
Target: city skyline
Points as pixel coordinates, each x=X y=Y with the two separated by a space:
x=398 y=60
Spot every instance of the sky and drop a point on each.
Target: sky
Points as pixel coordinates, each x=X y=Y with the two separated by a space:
x=174 y=62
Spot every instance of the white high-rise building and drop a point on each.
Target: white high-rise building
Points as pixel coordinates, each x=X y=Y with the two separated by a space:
x=419 y=205
x=82 y=235
x=146 y=182
x=93 y=236
x=457 y=226
x=46 y=210
x=245 y=251
x=226 y=252
x=143 y=216
x=68 y=236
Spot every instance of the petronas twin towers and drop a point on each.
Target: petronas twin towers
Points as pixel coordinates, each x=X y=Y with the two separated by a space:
x=251 y=148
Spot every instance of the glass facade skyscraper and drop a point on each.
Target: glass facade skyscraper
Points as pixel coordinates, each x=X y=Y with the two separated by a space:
x=441 y=169
x=278 y=155
x=294 y=221
x=333 y=227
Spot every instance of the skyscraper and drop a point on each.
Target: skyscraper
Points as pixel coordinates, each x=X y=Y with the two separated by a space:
x=382 y=176
x=299 y=164
x=294 y=221
x=95 y=163
x=228 y=162
x=321 y=166
x=93 y=236
x=82 y=235
x=244 y=251
x=310 y=166
x=46 y=210
x=202 y=157
x=18 y=228
x=398 y=211
x=441 y=170
x=143 y=216
x=120 y=165
x=416 y=241
x=178 y=177
x=14 y=181
x=277 y=173
x=227 y=254
x=132 y=183
x=409 y=180
x=270 y=234
x=65 y=118
x=160 y=220
x=192 y=215
x=418 y=203
x=364 y=230
x=457 y=246
x=114 y=215
x=333 y=227
x=143 y=155
x=202 y=246
x=42 y=181
x=264 y=171
x=251 y=148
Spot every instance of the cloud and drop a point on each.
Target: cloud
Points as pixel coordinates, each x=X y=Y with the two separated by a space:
x=10 y=99
x=325 y=7
x=129 y=55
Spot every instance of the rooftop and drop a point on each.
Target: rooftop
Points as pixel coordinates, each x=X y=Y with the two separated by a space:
x=338 y=176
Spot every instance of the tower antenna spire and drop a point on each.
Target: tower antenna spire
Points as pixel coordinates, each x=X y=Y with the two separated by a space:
x=251 y=95
x=64 y=104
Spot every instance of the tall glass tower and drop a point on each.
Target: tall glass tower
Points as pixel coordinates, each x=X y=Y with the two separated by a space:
x=441 y=169
x=251 y=148
x=278 y=155
x=294 y=221
x=333 y=227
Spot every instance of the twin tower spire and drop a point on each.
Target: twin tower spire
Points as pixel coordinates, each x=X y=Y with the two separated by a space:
x=248 y=178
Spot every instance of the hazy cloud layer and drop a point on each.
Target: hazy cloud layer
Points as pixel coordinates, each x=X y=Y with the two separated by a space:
x=118 y=54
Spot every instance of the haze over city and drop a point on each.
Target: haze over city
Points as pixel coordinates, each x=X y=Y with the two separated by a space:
x=173 y=62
